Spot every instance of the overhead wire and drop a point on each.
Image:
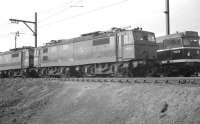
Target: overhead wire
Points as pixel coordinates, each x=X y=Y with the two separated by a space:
x=56 y=13
x=47 y=11
x=3 y=35
x=4 y=24
x=87 y=12
x=64 y=9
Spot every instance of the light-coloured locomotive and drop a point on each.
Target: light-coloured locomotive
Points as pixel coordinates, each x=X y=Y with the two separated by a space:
x=16 y=62
x=117 y=52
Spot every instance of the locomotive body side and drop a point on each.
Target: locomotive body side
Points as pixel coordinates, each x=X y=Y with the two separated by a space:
x=74 y=52
x=99 y=49
x=145 y=45
x=10 y=60
x=104 y=53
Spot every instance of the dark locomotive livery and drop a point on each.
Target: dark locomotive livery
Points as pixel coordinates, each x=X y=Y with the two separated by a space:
x=117 y=53
x=179 y=53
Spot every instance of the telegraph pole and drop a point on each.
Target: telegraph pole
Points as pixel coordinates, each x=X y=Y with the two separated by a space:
x=167 y=17
x=17 y=34
x=34 y=31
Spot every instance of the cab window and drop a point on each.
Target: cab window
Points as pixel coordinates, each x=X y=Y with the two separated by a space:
x=45 y=50
x=190 y=42
x=127 y=39
x=147 y=36
x=172 y=43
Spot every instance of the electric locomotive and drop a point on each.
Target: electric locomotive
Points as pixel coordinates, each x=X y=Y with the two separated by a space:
x=16 y=62
x=114 y=53
x=179 y=54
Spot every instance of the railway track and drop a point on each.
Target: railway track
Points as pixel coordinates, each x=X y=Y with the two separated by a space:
x=182 y=81
x=187 y=81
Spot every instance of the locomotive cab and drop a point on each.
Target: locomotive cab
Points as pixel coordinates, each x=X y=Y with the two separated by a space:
x=139 y=51
x=136 y=44
x=145 y=44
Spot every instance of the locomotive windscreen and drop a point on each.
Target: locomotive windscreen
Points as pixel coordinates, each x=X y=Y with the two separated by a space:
x=191 y=42
x=172 y=43
x=141 y=35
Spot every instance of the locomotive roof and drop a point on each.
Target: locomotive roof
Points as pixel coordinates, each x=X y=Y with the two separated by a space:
x=177 y=35
x=83 y=37
x=91 y=36
x=9 y=52
x=21 y=48
x=16 y=50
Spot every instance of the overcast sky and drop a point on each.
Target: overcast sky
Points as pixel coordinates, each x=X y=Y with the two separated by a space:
x=63 y=19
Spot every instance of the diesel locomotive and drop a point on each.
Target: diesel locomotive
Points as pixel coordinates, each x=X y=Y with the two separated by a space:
x=114 y=53
x=179 y=54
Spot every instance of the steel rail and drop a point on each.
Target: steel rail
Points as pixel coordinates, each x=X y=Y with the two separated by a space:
x=182 y=81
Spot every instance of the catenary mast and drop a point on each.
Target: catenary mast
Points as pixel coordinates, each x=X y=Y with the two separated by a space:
x=167 y=17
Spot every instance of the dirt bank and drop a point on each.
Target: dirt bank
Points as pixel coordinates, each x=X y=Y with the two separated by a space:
x=54 y=102
x=21 y=99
